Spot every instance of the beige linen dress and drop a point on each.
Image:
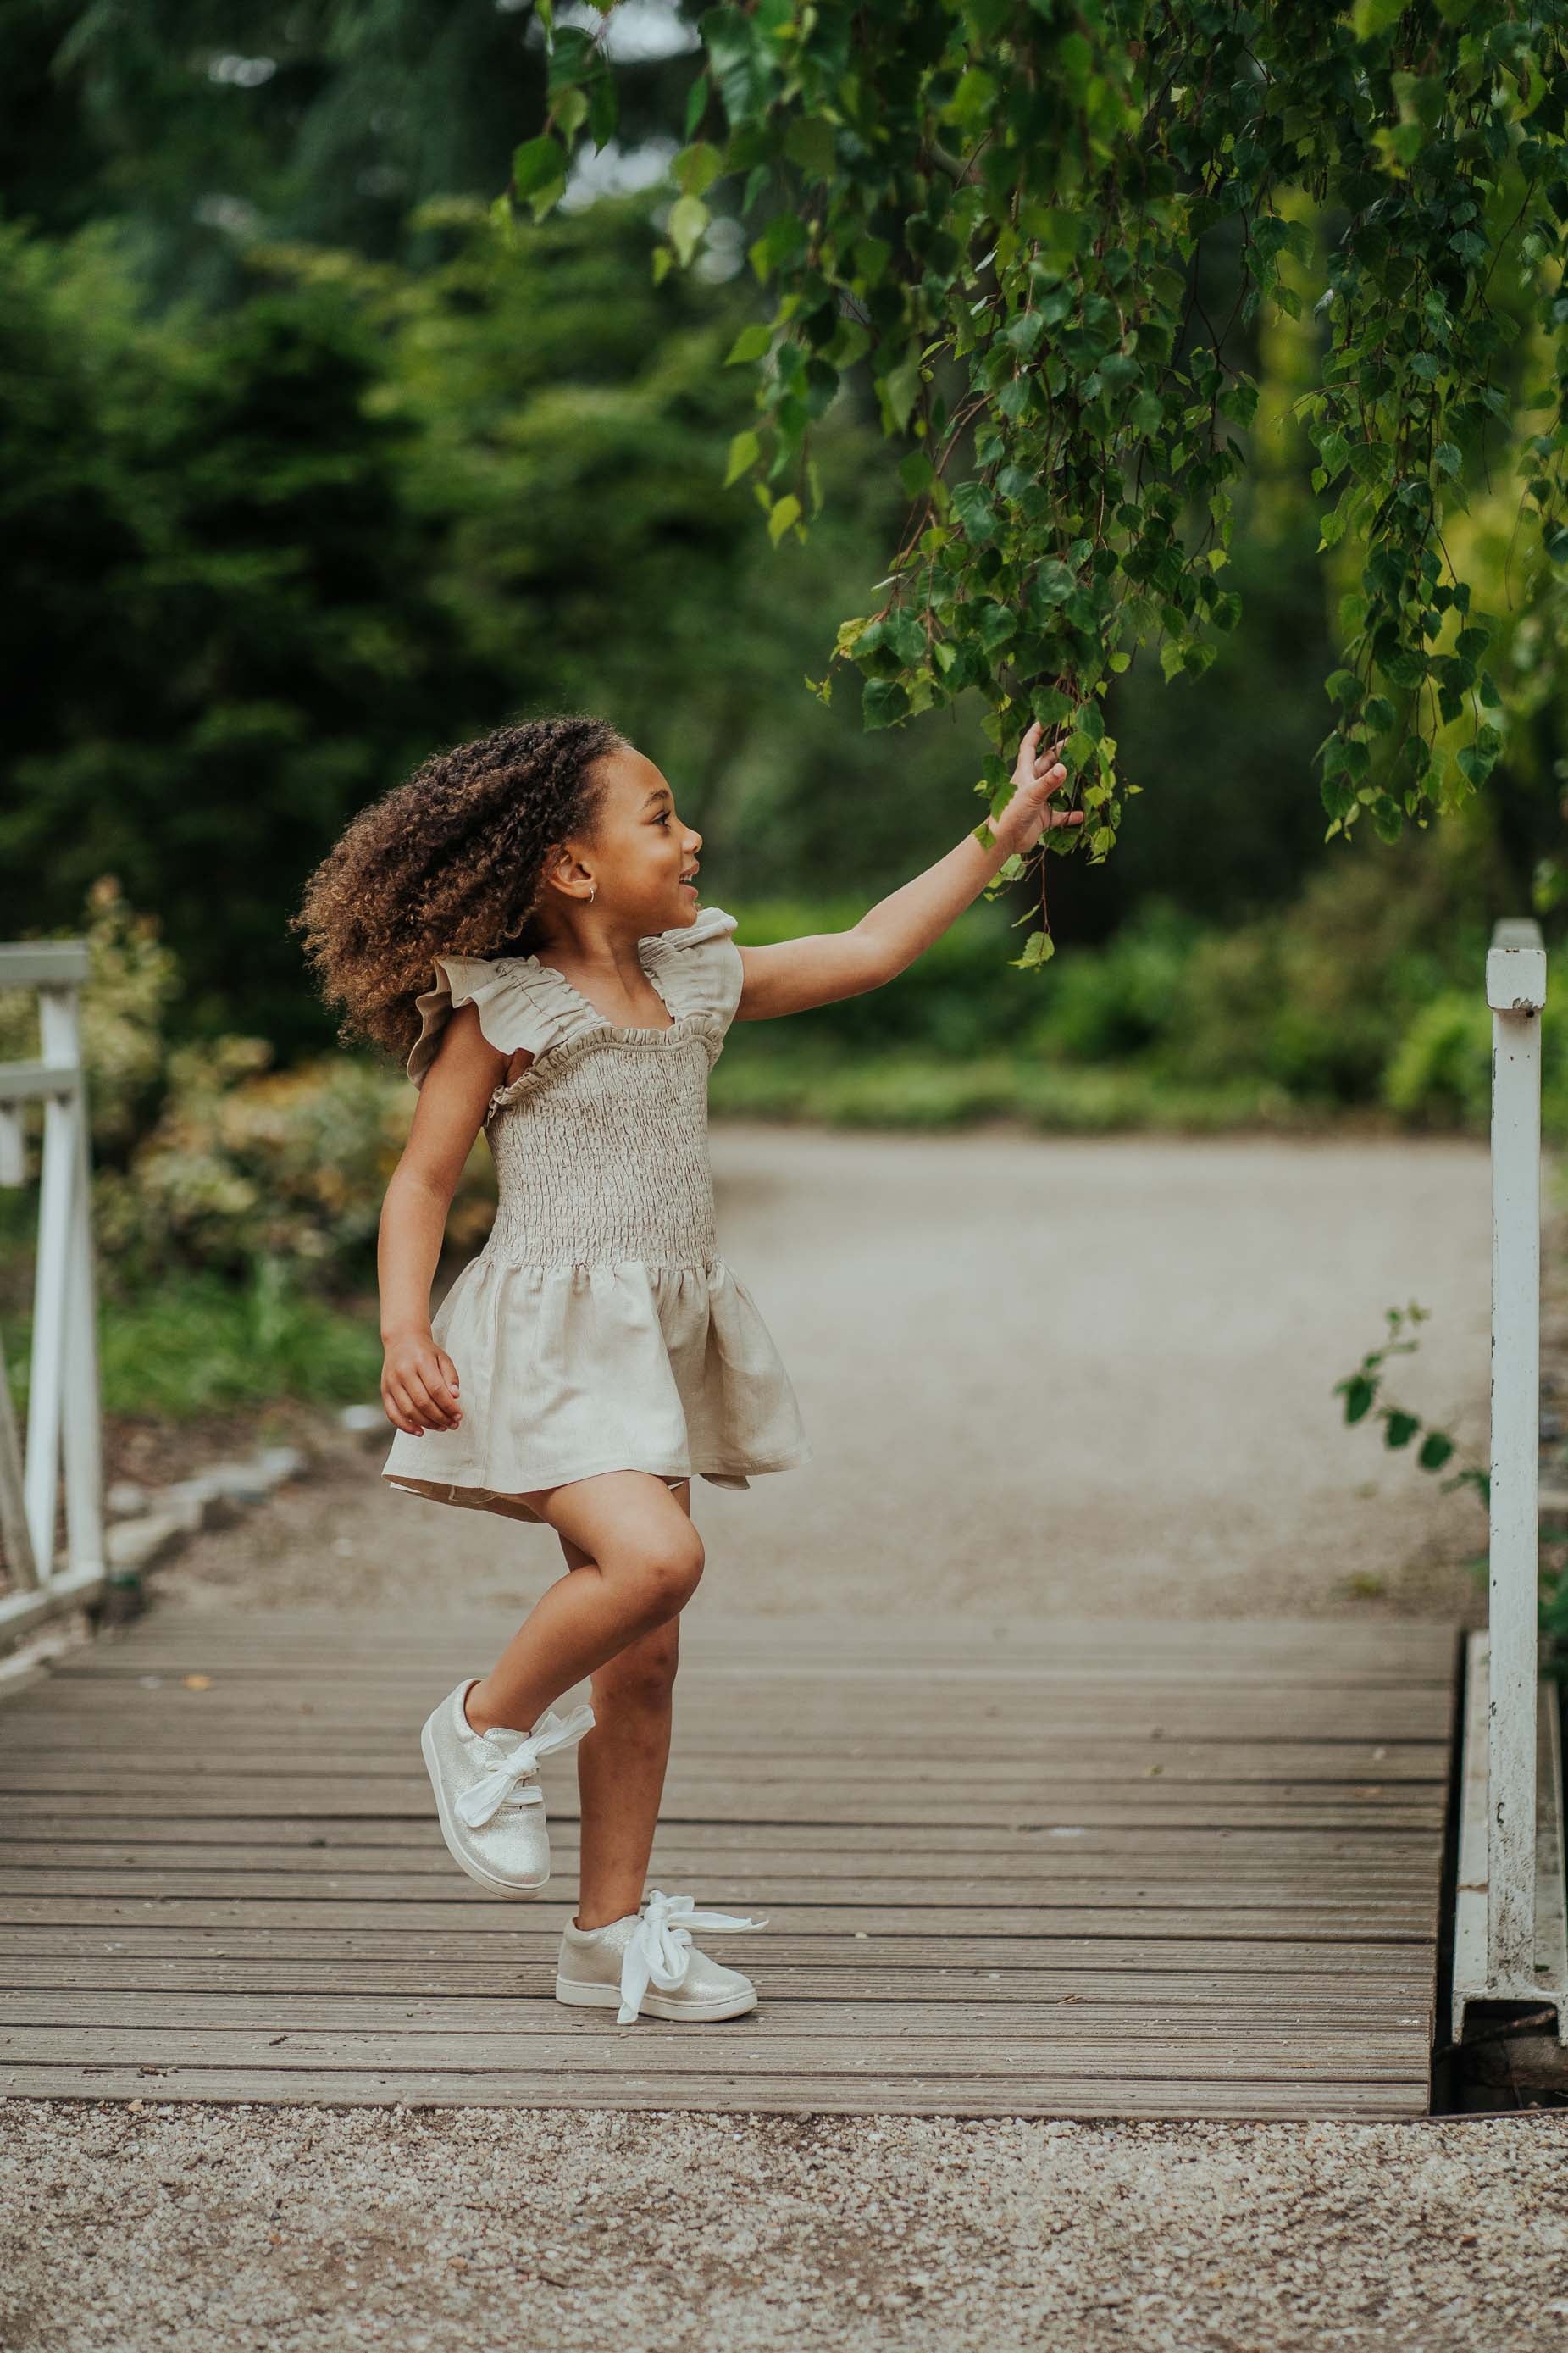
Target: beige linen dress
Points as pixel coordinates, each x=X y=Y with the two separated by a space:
x=599 y=1329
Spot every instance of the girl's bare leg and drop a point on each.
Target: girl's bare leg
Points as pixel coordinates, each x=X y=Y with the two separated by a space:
x=621 y=1761
x=621 y=1765
x=640 y=1561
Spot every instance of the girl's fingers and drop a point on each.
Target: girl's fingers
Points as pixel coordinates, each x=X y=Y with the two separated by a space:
x=412 y=1419
x=398 y=1415
x=437 y=1410
x=425 y=1409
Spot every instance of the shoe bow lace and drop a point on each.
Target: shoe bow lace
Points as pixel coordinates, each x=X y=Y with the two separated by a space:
x=485 y=1799
x=658 y=1950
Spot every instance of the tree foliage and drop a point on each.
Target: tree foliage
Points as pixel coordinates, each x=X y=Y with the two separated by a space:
x=999 y=208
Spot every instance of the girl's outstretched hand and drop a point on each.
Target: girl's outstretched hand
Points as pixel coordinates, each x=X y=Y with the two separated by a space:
x=1036 y=776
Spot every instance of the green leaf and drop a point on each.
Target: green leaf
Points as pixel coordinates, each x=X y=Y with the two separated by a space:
x=739 y=62
x=972 y=506
x=872 y=255
x=688 y=216
x=536 y=163
x=744 y=451
x=882 y=702
x=750 y=343
x=1038 y=948
x=779 y=241
x=808 y=142
x=916 y=474
x=1399 y=1428
x=696 y=104
x=569 y=112
x=696 y=168
x=785 y=512
x=897 y=393
x=996 y=624
x=973 y=102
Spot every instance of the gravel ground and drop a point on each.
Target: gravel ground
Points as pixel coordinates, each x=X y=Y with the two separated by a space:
x=189 y=2228
x=1039 y=1374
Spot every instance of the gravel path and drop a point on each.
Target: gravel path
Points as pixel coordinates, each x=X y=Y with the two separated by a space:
x=480 y=2232
x=1040 y=1375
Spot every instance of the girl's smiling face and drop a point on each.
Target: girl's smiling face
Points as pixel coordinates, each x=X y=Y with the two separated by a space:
x=640 y=854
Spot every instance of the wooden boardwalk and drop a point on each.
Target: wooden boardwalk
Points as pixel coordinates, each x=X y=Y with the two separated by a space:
x=1047 y=1868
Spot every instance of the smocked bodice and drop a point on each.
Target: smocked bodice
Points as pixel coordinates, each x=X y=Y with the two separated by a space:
x=609 y=1159
x=601 y=1143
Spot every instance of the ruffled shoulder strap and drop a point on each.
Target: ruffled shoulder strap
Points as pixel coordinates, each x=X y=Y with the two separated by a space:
x=697 y=967
x=515 y=1011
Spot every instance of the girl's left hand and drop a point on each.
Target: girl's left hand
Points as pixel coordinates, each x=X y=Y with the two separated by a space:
x=1036 y=776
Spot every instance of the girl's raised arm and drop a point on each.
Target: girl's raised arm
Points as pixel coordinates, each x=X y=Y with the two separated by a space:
x=792 y=976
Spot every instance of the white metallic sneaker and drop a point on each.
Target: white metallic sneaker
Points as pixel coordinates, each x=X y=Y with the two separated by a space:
x=488 y=1796
x=610 y=1967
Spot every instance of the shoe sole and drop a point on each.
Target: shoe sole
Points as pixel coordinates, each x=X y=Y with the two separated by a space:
x=475 y=1871
x=655 y=2005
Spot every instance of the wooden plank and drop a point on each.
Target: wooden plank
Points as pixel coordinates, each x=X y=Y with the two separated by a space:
x=174 y=1715
x=856 y=1850
x=1213 y=1806
x=122 y=1870
x=456 y=1948
x=1230 y=2097
x=1140 y=1999
x=802 y=1796
x=888 y=1689
x=595 y=2045
x=1014 y=1763
x=1272 y=2029
x=1342 y=1923
x=1366 y=1897
x=1294 y=1645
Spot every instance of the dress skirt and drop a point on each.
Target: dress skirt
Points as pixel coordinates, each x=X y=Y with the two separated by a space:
x=567 y=1371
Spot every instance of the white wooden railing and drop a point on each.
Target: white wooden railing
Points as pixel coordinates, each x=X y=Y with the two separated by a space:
x=1511 y=1942
x=63 y=1395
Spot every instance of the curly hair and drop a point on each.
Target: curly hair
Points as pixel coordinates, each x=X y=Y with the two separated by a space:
x=448 y=862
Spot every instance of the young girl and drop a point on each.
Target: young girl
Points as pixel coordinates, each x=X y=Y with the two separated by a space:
x=598 y=1352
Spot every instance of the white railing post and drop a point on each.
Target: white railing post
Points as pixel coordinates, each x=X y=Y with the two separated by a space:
x=1510 y=1917
x=1515 y=992
x=63 y=1395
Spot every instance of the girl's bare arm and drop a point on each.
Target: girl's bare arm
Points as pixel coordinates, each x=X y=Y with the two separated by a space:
x=792 y=976
x=420 y=1382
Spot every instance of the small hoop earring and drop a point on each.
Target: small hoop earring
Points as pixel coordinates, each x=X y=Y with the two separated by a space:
x=592 y=889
